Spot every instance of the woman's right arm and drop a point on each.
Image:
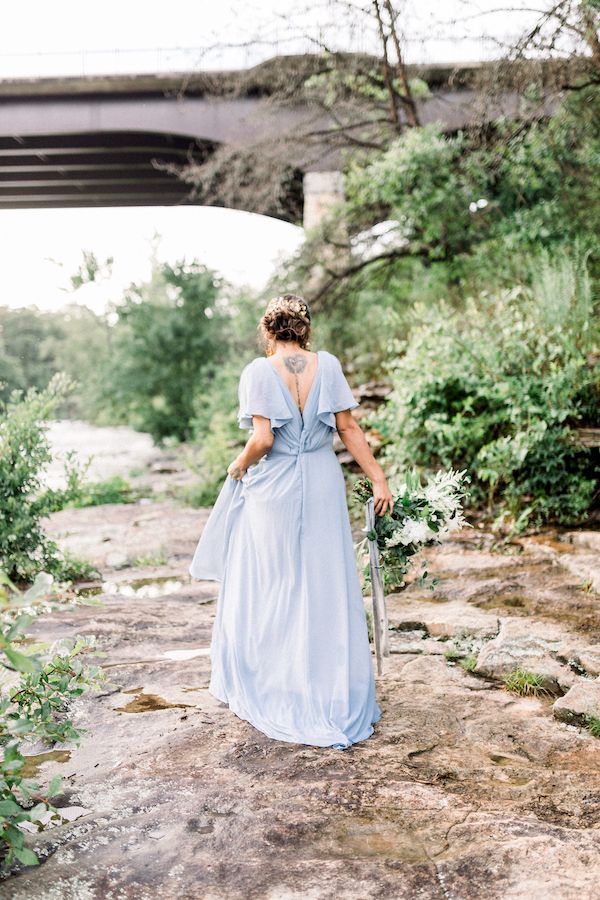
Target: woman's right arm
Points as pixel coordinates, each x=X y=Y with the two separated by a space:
x=259 y=443
x=355 y=442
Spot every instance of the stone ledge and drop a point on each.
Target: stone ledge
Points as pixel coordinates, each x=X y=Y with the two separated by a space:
x=582 y=700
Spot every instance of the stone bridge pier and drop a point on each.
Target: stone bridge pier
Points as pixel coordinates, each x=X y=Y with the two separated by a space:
x=322 y=190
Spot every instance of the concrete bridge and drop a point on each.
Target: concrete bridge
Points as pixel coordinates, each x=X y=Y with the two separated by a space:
x=117 y=140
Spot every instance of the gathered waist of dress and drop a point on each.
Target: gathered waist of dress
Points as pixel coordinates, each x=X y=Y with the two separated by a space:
x=280 y=448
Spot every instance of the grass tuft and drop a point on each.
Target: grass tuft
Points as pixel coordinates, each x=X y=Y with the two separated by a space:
x=468 y=663
x=592 y=723
x=525 y=683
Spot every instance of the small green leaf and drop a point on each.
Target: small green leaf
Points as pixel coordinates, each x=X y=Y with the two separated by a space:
x=21 y=662
x=36 y=811
x=9 y=808
x=54 y=786
x=26 y=856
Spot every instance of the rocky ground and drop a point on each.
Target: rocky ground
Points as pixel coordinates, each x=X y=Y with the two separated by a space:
x=465 y=791
x=110 y=451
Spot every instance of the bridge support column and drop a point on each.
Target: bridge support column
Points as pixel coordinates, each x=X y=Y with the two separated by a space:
x=321 y=191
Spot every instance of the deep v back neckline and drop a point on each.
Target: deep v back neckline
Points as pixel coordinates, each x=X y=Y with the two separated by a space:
x=287 y=391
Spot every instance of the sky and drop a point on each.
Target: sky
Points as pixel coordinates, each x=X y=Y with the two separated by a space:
x=71 y=37
x=40 y=249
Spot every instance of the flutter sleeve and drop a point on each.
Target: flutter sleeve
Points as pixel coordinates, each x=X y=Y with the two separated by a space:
x=260 y=395
x=335 y=394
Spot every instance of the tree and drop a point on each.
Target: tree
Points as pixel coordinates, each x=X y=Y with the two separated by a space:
x=166 y=339
x=27 y=336
x=356 y=102
x=565 y=33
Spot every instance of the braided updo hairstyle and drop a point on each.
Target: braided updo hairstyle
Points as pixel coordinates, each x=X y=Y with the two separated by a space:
x=286 y=318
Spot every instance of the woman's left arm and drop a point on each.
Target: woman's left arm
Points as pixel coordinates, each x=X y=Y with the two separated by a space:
x=354 y=440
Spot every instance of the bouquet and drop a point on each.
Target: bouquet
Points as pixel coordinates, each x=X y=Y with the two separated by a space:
x=422 y=515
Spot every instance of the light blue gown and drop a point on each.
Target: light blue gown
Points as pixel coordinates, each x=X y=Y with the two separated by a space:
x=290 y=651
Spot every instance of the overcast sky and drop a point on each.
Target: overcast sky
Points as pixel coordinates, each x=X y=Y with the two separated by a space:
x=39 y=249
x=70 y=36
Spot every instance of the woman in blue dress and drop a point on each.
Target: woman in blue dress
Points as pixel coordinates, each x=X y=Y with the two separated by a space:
x=290 y=651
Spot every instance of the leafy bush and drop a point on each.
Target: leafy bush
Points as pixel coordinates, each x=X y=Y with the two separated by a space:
x=499 y=388
x=459 y=199
x=25 y=549
x=115 y=489
x=469 y=211
x=36 y=688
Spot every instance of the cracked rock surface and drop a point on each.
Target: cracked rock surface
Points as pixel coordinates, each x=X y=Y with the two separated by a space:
x=464 y=792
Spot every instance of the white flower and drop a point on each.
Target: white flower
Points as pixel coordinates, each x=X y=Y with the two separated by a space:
x=454 y=524
x=474 y=205
x=397 y=487
x=415 y=532
x=443 y=495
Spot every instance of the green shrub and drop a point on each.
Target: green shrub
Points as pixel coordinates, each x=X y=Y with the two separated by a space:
x=115 y=489
x=36 y=689
x=499 y=389
x=25 y=549
x=470 y=209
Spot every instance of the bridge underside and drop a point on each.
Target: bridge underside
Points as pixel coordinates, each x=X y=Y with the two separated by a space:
x=100 y=169
x=114 y=141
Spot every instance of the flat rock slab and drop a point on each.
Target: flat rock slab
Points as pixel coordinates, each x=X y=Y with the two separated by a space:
x=578 y=552
x=590 y=540
x=464 y=792
x=114 y=536
x=439 y=619
x=585 y=657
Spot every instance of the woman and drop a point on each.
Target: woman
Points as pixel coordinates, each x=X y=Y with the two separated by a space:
x=290 y=651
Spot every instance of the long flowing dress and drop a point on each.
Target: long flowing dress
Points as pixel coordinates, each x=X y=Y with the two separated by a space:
x=290 y=651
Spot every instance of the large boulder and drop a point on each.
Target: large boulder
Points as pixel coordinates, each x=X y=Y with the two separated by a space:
x=582 y=700
x=582 y=656
x=533 y=646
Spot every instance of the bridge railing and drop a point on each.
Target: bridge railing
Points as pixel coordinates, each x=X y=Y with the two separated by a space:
x=158 y=60
x=115 y=61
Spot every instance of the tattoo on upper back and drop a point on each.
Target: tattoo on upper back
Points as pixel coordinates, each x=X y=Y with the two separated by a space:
x=296 y=363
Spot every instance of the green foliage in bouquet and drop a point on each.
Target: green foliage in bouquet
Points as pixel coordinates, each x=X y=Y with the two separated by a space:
x=423 y=514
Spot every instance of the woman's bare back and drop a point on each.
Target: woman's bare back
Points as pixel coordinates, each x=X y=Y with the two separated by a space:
x=298 y=371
